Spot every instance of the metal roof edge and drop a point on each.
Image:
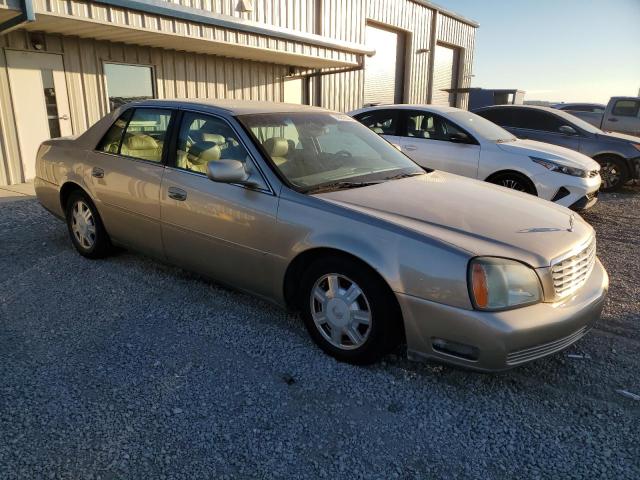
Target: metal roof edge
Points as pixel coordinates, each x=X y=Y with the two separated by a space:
x=225 y=21
x=447 y=12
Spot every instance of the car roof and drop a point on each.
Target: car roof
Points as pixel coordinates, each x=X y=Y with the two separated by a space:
x=235 y=107
x=405 y=106
x=530 y=107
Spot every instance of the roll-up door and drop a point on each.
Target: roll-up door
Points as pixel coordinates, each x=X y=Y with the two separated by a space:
x=384 y=72
x=445 y=75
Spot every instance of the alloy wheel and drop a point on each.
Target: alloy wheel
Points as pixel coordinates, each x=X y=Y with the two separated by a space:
x=83 y=225
x=340 y=311
x=513 y=184
x=610 y=174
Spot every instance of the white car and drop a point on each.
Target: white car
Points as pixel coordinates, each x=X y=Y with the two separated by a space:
x=461 y=142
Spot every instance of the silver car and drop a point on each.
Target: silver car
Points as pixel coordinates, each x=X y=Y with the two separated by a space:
x=312 y=210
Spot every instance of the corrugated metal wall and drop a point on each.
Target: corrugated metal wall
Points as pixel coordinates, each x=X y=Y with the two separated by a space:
x=177 y=75
x=344 y=91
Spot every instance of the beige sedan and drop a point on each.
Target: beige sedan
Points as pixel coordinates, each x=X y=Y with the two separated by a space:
x=311 y=210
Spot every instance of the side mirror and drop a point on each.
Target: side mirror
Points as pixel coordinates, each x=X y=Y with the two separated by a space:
x=459 y=138
x=229 y=171
x=567 y=130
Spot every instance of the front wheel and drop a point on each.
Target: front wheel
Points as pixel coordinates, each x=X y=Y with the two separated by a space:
x=514 y=181
x=349 y=311
x=85 y=227
x=614 y=173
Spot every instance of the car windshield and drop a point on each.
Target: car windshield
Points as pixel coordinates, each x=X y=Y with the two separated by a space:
x=578 y=122
x=323 y=150
x=481 y=127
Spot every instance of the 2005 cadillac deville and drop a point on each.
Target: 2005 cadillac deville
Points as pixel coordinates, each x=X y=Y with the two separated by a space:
x=312 y=210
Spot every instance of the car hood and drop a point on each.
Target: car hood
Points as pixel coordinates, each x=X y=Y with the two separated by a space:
x=547 y=151
x=621 y=137
x=478 y=217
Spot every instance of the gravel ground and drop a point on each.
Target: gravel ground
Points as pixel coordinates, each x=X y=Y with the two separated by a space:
x=129 y=369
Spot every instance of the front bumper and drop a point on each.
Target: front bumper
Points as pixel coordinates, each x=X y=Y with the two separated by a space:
x=573 y=192
x=505 y=339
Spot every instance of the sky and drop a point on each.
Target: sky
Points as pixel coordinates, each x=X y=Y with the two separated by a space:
x=556 y=50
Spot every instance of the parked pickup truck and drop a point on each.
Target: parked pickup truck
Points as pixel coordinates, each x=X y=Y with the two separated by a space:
x=622 y=115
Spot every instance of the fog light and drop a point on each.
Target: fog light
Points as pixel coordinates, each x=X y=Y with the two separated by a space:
x=468 y=352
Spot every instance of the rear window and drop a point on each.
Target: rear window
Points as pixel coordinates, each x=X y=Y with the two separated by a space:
x=626 y=108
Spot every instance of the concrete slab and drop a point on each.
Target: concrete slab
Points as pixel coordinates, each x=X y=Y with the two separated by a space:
x=21 y=191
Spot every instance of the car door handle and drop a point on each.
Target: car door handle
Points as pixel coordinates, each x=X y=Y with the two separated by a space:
x=410 y=148
x=97 y=172
x=177 y=194
x=613 y=119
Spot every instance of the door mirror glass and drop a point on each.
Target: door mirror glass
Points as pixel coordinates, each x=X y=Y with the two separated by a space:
x=229 y=171
x=567 y=130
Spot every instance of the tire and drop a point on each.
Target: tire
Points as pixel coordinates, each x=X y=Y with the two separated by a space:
x=85 y=227
x=514 y=181
x=614 y=173
x=332 y=321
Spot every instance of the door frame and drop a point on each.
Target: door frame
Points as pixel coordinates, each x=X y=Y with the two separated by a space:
x=17 y=170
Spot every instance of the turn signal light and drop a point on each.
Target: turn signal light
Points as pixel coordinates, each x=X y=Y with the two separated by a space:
x=479 y=285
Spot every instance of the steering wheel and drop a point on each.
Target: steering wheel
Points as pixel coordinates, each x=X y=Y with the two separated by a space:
x=343 y=153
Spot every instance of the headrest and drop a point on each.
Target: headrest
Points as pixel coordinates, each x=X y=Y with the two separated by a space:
x=140 y=142
x=276 y=146
x=377 y=130
x=203 y=152
x=214 y=138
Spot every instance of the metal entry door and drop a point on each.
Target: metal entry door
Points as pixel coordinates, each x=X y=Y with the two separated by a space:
x=40 y=102
x=384 y=72
x=445 y=75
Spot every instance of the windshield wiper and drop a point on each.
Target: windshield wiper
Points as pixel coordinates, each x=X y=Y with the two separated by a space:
x=404 y=175
x=327 y=187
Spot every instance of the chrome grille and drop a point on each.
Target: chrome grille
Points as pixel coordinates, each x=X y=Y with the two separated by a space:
x=532 y=353
x=572 y=272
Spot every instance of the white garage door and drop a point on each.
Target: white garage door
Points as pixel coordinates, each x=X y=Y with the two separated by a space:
x=384 y=72
x=445 y=75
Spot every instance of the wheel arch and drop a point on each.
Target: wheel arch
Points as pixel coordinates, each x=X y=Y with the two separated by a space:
x=67 y=189
x=511 y=171
x=303 y=260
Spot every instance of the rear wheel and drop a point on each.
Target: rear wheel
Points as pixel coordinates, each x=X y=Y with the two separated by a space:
x=614 y=173
x=514 y=181
x=85 y=227
x=349 y=311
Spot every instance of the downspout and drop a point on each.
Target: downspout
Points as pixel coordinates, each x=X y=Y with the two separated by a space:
x=26 y=15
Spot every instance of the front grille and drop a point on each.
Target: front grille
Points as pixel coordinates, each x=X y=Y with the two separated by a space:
x=592 y=195
x=571 y=273
x=532 y=353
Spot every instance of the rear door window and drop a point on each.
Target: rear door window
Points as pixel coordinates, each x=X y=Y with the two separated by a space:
x=382 y=122
x=110 y=143
x=500 y=116
x=626 y=108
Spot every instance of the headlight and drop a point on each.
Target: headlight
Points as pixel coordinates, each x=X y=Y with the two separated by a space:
x=556 y=167
x=500 y=284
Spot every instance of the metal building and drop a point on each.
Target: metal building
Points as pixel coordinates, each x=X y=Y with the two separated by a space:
x=66 y=63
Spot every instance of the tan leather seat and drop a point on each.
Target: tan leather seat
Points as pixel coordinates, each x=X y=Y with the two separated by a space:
x=139 y=145
x=277 y=148
x=200 y=154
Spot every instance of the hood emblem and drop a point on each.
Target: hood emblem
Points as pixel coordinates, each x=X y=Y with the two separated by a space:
x=572 y=219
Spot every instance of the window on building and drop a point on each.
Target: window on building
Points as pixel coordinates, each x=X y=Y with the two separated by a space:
x=127 y=83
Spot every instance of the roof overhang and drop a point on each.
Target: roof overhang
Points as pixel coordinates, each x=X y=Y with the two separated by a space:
x=170 y=26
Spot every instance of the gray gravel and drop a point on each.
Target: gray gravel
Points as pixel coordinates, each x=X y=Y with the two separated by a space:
x=127 y=368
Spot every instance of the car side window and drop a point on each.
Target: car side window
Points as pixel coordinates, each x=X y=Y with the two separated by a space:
x=538 y=120
x=144 y=135
x=500 y=116
x=110 y=143
x=626 y=108
x=382 y=122
x=203 y=139
x=430 y=126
